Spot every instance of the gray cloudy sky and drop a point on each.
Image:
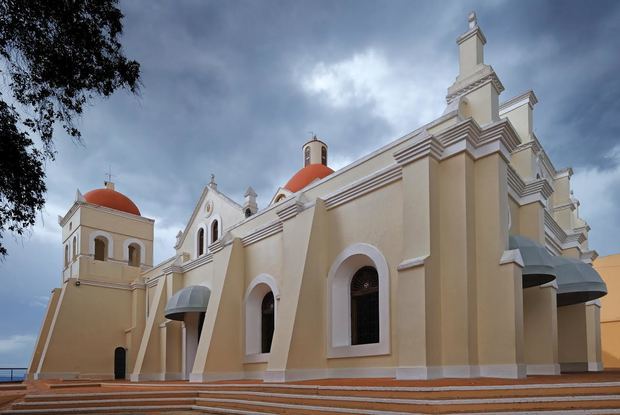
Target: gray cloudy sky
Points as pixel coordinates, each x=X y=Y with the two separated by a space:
x=234 y=87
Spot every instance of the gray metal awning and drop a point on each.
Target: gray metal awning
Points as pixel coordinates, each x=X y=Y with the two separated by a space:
x=192 y=299
x=578 y=282
x=538 y=267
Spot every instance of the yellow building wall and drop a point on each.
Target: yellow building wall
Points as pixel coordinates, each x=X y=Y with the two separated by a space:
x=81 y=343
x=609 y=269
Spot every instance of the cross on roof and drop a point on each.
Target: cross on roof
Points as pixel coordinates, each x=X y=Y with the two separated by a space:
x=109 y=174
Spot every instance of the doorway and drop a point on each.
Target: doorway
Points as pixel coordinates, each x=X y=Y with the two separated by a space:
x=193 y=330
x=120 y=363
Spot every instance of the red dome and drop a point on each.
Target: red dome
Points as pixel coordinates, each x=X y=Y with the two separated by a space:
x=112 y=199
x=306 y=176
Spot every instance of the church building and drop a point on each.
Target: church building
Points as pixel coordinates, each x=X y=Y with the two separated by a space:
x=456 y=250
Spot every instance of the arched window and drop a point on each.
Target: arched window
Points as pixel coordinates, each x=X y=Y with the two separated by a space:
x=267 y=322
x=101 y=248
x=261 y=309
x=365 y=306
x=74 y=247
x=248 y=213
x=200 y=241
x=280 y=198
x=66 y=256
x=214 y=231
x=133 y=255
x=358 y=301
x=306 y=156
x=324 y=155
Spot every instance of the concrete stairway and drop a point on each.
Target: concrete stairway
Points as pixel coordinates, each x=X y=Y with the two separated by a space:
x=302 y=399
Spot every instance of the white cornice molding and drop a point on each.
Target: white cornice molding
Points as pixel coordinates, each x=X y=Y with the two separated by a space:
x=77 y=204
x=491 y=78
x=106 y=284
x=527 y=97
x=412 y=263
x=475 y=31
x=204 y=259
x=466 y=136
x=364 y=186
x=291 y=208
x=152 y=282
x=511 y=256
x=583 y=229
x=426 y=146
x=589 y=256
x=567 y=172
x=569 y=205
x=216 y=246
x=523 y=193
x=173 y=269
x=262 y=233
x=532 y=145
x=560 y=238
x=137 y=286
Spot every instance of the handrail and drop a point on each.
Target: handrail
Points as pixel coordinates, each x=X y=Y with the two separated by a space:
x=12 y=369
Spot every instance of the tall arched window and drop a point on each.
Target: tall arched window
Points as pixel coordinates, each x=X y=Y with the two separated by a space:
x=307 y=156
x=66 y=255
x=214 y=231
x=324 y=155
x=74 y=247
x=200 y=241
x=267 y=322
x=365 y=306
x=101 y=248
x=133 y=255
x=261 y=309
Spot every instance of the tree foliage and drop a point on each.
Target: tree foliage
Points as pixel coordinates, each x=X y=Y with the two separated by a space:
x=57 y=55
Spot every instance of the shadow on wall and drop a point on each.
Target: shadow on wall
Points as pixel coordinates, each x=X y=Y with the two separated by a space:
x=611 y=360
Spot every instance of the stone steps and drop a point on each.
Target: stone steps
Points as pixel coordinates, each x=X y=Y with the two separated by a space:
x=603 y=397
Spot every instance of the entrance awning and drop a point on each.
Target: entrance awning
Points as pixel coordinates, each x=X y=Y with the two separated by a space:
x=538 y=266
x=578 y=282
x=192 y=299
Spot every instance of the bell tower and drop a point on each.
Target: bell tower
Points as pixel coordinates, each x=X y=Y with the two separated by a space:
x=315 y=152
x=105 y=237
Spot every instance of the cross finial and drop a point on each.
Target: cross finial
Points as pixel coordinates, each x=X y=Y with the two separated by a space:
x=472 y=19
x=212 y=183
x=108 y=175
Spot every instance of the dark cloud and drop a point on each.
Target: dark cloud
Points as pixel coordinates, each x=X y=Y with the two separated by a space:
x=223 y=92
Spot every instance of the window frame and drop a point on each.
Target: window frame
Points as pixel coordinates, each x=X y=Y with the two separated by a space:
x=347 y=263
x=109 y=243
x=254 y=295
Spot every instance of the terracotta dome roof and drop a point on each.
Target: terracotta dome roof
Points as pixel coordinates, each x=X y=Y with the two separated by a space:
x=306 y=176
x=112 y=199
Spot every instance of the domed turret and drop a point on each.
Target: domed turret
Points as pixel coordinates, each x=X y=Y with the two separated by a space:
x=112 y=199
x=315 y=166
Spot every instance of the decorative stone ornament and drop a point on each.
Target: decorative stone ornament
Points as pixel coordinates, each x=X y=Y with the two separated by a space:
x=209 y=208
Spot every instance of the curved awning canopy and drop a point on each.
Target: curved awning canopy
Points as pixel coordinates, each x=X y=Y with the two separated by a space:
x=538 y=267
x=192 y=299
x=578 y=282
